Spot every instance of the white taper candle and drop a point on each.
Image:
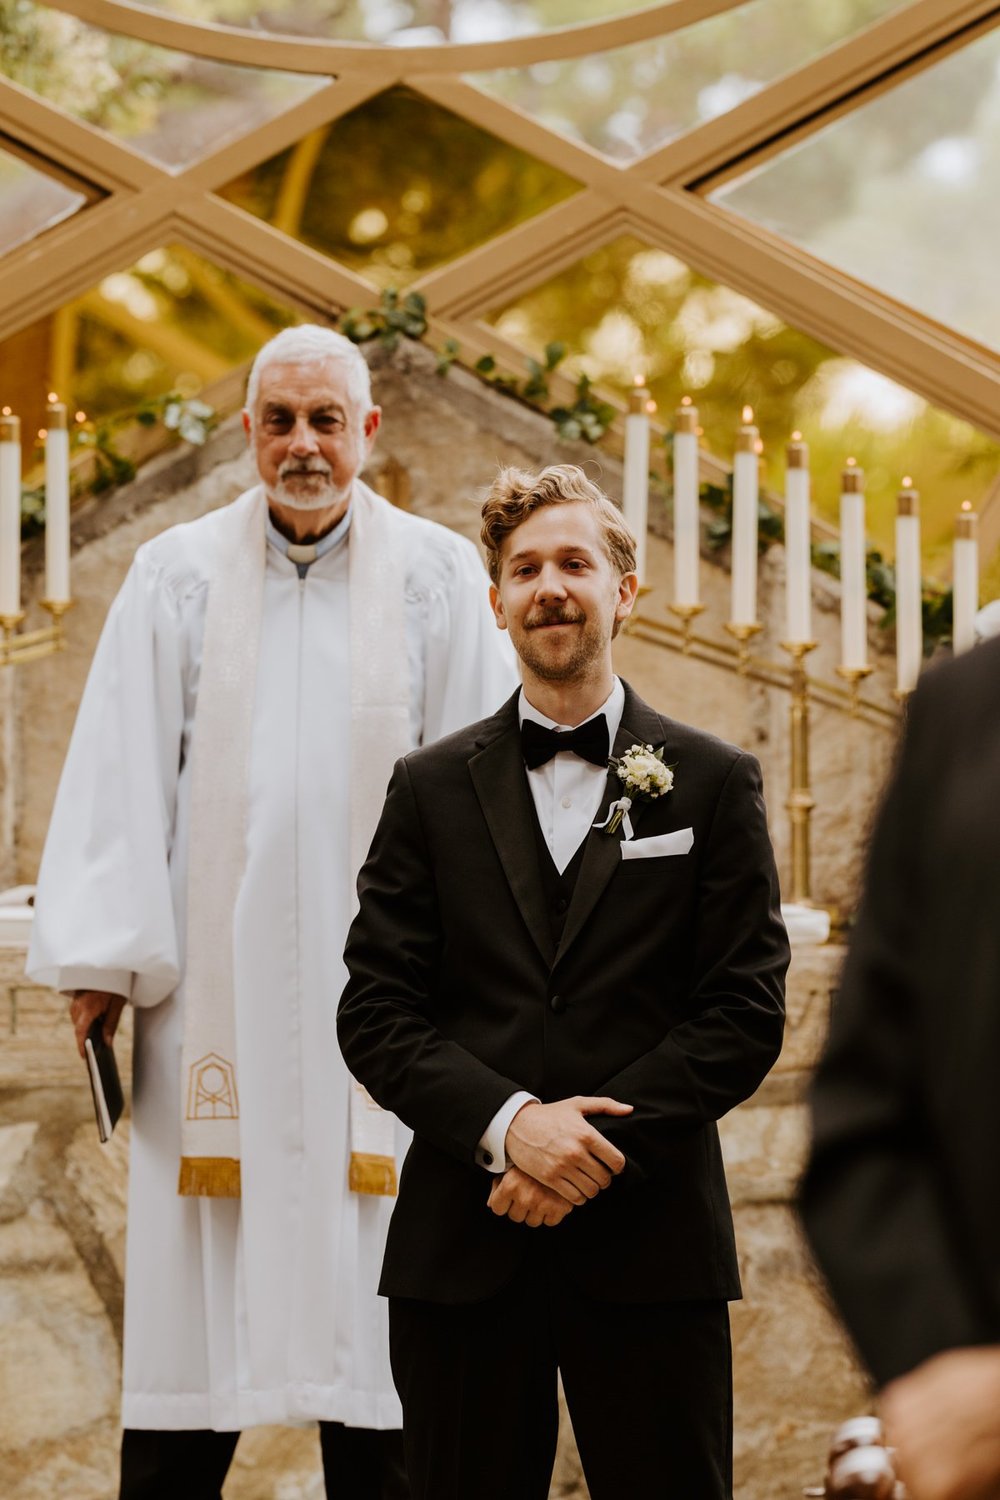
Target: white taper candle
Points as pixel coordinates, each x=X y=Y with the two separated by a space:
x=909 y=621
x=798 y=538
x=687 y=520
x=10 y=515
x=743 y=610
x=965 y=581
x=56 y=504
x=635 y=479
x=853 y=579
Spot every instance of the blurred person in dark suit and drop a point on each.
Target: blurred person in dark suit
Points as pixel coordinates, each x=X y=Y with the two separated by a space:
x=900 y=1197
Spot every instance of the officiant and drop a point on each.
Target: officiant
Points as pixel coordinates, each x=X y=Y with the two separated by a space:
x=259 y=673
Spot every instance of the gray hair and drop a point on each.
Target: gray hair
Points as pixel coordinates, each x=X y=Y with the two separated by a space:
x=309 y=342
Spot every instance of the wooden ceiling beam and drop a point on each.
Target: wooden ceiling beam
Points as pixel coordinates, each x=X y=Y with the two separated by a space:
x=257 y=48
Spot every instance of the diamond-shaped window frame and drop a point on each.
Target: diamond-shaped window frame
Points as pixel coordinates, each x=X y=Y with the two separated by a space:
x=661 y=196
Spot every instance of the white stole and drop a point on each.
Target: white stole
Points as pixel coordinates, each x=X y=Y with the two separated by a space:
x=220 y=761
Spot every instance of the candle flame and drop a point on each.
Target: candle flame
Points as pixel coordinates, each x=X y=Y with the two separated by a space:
x=758 y=446
x=907 y=482
x=42 y=434
x=685 y=400
x=796 y=437
x=852 y=463
x=966 y=506
x=7 y=411
x=651 y=408
x=747 y=415
x=81 y=416
x=53 y=398
x=638 y=381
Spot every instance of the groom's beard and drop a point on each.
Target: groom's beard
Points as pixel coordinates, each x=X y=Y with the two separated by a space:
x=306 y=484
x=570 y=656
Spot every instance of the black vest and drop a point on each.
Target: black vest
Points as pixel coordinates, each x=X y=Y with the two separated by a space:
x=558 y=888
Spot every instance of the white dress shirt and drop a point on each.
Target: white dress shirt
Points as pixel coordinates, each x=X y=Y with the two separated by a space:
x=567 y=792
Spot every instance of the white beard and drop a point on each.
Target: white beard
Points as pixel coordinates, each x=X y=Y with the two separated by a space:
x=324 y=497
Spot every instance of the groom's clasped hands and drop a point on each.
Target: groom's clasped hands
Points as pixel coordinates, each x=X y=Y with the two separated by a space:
x=558 y=1160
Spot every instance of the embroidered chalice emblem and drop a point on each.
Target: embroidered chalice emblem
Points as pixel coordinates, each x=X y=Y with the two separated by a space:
x=212 y=1089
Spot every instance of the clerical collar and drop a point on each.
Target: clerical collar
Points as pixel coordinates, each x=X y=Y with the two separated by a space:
x=612 y=708
x=302 y=554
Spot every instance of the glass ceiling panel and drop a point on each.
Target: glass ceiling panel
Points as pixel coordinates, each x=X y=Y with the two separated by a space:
x=628 y=309
x=401 y=23
x=30 y=201
x=628 y=102
x=171 y=322
x=170 y=106
x=397 y=186
x=902 y=192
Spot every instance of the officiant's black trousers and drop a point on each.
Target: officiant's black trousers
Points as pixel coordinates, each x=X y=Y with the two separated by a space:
x=358 y=1464
x=648 y=1387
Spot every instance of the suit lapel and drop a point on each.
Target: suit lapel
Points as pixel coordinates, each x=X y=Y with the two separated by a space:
x=501 y=784
x=640 y=725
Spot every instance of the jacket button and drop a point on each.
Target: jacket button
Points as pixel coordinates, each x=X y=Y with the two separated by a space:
x=487 y=1158
x=557 y=1004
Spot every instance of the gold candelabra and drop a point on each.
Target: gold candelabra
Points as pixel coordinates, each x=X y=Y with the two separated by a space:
x=854 y=677
x=793 y=678
x=687 y=614
x=800 y=799
x=18 y=645
x=743 y=634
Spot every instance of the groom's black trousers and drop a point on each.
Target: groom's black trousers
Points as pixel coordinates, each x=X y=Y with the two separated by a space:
x=358 y=1464
x=648 y=1387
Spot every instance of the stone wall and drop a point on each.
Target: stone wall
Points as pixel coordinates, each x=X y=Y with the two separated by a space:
x=62 y=1195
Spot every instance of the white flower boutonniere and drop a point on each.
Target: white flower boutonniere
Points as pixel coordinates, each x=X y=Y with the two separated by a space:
x=644 y=778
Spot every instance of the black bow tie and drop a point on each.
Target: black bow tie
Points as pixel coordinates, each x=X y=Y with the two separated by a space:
x=589 y=741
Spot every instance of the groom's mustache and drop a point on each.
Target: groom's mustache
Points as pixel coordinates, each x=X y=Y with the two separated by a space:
x=554 y=615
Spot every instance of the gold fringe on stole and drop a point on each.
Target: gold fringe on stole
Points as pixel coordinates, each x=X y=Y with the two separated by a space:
x=209 y=1177
x=372 y=1174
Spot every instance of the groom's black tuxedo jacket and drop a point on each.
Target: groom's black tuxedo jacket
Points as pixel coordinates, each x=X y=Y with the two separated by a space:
x=665 y=992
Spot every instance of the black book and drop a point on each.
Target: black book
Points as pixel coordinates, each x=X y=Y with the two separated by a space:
x=105 y=1084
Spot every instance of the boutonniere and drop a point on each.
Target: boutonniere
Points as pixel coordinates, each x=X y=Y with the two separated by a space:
x=644 y=778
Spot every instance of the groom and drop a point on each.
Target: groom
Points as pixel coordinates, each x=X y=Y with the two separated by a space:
x=561 y=1012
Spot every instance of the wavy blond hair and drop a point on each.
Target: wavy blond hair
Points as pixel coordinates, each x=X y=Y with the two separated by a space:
x=515 y=494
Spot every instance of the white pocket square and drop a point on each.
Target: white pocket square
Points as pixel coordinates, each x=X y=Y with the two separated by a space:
x=663 y=843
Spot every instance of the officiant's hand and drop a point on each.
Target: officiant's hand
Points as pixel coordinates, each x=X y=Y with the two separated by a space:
x=86 y=1006
x=554 y=1144
x=519 y=1197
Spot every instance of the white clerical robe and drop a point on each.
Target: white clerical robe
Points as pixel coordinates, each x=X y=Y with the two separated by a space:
x=263 y=1309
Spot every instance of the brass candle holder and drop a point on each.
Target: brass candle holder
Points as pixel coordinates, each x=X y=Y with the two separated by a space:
x=743 y=633
x=640 y=593
x=29 y=645
x=800 y=799
x=687 y=614
x=854 y=677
